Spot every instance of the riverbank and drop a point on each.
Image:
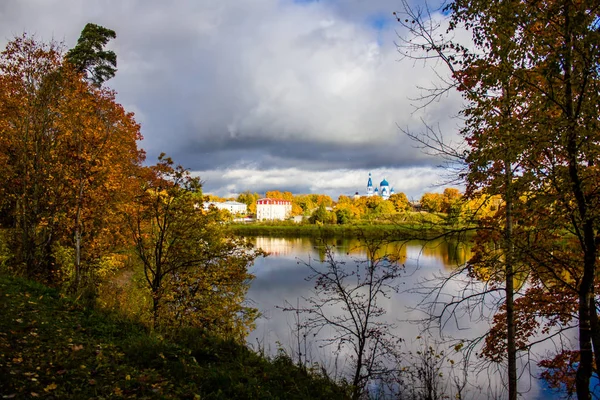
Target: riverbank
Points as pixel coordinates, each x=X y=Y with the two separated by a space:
x=388 y=231
x=52 y=347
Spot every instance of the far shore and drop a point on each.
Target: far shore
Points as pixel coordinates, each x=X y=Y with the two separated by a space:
x=389 y=231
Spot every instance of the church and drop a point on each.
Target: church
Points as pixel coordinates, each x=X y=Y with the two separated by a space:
x=384 y=190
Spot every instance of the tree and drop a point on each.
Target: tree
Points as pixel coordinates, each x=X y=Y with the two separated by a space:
x=533 y=82
x=320 y=215
x=360 y=329
x=306 y=203
x=197 y=275
x=385 y=208
x=276 y=194
x=70 y=151
x=324 y=199
x=561 y=90
x=30 y=87
x=450 y=197
x=344 y=216
x=431 y=202
x=89 y=56
x=100 y=154
x=249 y=199
x=400 y=202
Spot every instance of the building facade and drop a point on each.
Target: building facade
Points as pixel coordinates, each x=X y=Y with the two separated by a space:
x=384 y=190
x=233 y=207
x=273 y=209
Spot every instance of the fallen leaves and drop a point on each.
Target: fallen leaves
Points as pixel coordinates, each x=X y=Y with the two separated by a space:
x=50 y=387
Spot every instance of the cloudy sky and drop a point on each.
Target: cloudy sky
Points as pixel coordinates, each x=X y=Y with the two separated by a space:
x=306 y=96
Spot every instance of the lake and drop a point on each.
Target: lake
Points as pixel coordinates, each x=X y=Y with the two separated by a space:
x=282 y=277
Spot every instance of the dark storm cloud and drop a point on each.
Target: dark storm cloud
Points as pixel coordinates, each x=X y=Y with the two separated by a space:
x=309 y=87
x=215 y=152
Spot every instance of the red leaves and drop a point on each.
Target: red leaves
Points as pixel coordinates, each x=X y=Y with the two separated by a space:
x=560 y=370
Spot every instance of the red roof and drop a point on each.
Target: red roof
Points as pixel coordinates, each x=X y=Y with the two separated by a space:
x=272 y=201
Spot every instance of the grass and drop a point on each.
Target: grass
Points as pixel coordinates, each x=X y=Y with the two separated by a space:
x=51 y=347
x=402 y=229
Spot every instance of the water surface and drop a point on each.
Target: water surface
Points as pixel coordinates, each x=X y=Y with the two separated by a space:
x=281 y=279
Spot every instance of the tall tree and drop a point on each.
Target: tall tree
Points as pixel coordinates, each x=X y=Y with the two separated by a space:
x=30 y=88
x=536 y=65
x=69 y=150
x=99 y=153
x=89 y=56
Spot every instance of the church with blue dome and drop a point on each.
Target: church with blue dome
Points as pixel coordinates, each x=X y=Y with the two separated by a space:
x=384 y=190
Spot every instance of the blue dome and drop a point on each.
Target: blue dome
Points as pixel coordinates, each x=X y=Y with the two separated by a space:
x=384 y=183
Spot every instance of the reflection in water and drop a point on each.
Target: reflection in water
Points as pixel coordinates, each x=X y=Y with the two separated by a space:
x=281 y=278
x=448 y=254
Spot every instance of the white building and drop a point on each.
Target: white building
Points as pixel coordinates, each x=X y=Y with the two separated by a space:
x=384 y=189
x=233 y=207
x=272 y=209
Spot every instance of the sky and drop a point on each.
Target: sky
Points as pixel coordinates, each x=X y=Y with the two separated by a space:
x=302 y=96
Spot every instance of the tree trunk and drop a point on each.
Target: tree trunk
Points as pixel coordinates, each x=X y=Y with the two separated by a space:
x=595 y=325
x=78 y=271
x=587 y=238
x=510 y=288
x=155 y=306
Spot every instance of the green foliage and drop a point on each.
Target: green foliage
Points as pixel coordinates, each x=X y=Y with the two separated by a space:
x=89 y=56
x=320 y=215
x=51 y=347
x=344 y=216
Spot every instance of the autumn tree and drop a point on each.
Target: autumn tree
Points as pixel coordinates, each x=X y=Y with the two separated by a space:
x=305 y=203
x=29 y=90
x=72 y=150
x=431 y=202
x=276 y=194
x=323 y=199
x=400 y=202
x=533 y=82
x=346 y=210
x=197 y=275
x=249 y=199
x=103 y=155
x=560 y=78
x=450 y=198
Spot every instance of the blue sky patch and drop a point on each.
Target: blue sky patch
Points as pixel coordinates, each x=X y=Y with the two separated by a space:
x=379 y=21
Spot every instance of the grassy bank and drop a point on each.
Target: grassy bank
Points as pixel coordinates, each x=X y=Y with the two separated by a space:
x=392 y=231
x=50 y=347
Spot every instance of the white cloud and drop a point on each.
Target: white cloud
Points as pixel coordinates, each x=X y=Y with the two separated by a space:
x=411 y=181
x=305 y=86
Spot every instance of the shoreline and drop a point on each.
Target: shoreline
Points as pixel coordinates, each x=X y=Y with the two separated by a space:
x=382 y=231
